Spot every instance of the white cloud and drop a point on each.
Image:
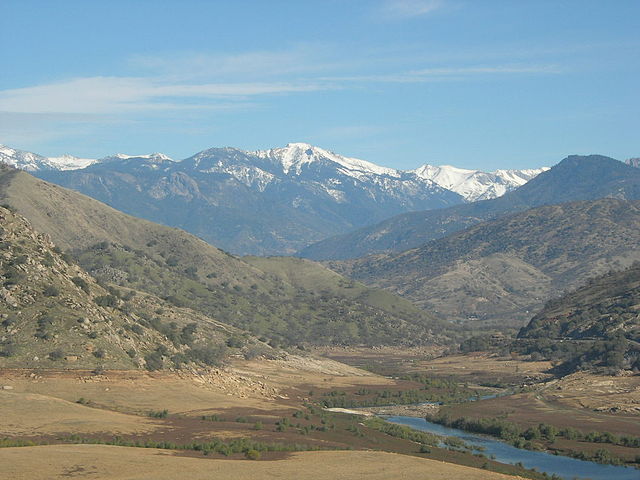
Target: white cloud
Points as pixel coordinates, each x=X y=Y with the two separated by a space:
x=106 y=95
x=441 y=74
x=257 y=64
x=400 y=9
x=121 y=95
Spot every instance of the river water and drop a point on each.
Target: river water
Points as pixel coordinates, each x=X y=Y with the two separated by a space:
x=565 y=467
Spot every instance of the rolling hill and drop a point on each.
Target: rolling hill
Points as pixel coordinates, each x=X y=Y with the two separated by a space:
x=498 y=272
x=55 y=315
x=595 y=326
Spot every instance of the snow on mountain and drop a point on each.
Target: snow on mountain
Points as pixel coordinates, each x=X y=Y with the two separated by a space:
x=33 y=162
x=476 y=185
x=296 y=155
x=154 y=157
x=297 y=159
x=634 y=162
x=471 y=184
x=69 y=162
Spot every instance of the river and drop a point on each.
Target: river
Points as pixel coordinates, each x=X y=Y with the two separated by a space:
x=565 y=467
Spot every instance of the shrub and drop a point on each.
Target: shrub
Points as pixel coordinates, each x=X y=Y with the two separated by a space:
x=252 y=454
x=159 y=413
x=51 y=291
x=7 y=349
x=56 y=355
x=235 y=342
x=107 y=301
x=80 y=282
x=154 y=361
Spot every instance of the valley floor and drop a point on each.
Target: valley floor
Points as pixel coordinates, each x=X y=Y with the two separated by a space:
x=275 y=403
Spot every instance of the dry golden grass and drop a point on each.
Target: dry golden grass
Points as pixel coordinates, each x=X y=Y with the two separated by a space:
x=33 y=414
x=484 y=365
x=140 y=392
x=594 y=392
x=260 y=385
x=123 y=463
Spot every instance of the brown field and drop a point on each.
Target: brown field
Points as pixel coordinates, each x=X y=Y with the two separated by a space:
x=474 y=368
x=121 y=463
x=28 y=414
x=487 y=368
x=574 y=401
x=261 y=385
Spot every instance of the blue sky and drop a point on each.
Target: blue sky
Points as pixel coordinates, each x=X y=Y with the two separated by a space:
x=477 y=84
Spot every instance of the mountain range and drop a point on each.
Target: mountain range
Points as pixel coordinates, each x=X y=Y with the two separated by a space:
x=573 y=179
x=267 y=202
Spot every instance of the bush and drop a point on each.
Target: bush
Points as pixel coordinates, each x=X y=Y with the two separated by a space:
x=80 y=282
x=7 y=349
x=154 y=361
x=56 y=355
x=107 y=301
x=159 y=413
x=51 y=291
x=252 y=454
x=235 y=342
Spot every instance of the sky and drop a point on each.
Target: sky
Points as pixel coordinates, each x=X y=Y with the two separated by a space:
x=476 y=84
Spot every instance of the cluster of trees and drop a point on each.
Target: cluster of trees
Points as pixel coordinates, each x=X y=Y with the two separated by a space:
x=373 y=398
x=607 y=355
x=401 y=431
x=532 y=437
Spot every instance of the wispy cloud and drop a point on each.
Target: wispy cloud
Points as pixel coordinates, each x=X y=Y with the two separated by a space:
x=303 y=59
x=107 y=95
x=402 y=9
x=443 y=74
x=121 y=95
x=210 y=81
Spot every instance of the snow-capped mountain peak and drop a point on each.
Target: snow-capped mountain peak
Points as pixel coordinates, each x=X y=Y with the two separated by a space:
x=154 y=157
x=294 y=156
x=33 y=162
x=476 y=185
x=263 y=167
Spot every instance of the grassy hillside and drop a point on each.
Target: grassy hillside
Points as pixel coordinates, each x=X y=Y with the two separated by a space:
x=313 y=277
x=53 y=314
x=575 y=178
x=187 y=272
x=594 y=326
x=500 y=271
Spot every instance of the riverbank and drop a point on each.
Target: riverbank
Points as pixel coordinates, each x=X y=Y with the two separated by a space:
x=564 y=467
